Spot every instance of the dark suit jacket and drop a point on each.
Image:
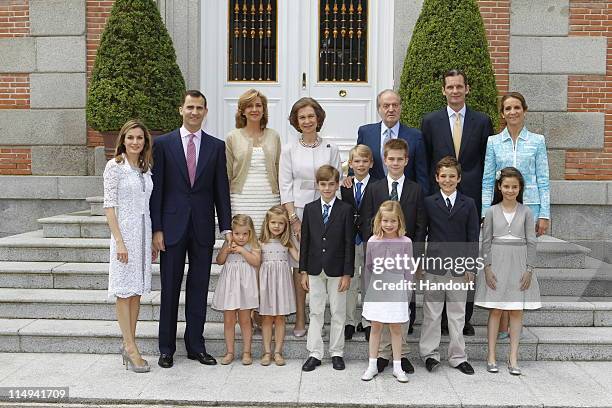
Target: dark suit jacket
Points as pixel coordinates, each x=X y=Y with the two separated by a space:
x=453 y=234
x=438 y=138
x=175 y=205
x=417 y=168
x=348 y=196
x=328 y=247
x=411 y=202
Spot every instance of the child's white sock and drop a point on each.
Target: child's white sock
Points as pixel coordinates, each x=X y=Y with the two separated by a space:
x=397 y=366
x=371 y=363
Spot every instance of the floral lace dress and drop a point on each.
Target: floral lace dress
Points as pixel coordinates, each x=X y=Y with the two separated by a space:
x=127 y=190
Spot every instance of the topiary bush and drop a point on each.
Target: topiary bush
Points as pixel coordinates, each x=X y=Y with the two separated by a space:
x=448 y=34
x=135 y=74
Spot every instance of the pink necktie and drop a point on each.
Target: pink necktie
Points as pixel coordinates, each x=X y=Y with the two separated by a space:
x=191 y=159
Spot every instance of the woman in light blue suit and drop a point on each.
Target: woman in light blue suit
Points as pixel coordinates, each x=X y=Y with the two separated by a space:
x=518 y=147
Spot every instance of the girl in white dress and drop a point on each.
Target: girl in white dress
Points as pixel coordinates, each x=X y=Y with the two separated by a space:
x=237 y=294
x=276 y=291
x=509 y=252
x=387 y=304
x=298 y=164
x=127 y=189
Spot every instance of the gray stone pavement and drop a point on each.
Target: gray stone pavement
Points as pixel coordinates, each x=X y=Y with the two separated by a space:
x=101 y=380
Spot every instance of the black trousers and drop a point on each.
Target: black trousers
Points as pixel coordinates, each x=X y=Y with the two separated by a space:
x=172 y=263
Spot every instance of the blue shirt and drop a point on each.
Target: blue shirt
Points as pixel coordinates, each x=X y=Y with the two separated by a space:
x=529 y=157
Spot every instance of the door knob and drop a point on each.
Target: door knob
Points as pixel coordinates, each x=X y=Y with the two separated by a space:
x=342 y=93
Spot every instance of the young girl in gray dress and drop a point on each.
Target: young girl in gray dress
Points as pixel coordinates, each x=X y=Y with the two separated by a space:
x=276 y=291
x=236 y=292
x=509 y=252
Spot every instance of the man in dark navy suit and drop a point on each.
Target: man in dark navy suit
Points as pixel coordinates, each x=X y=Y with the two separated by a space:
x=374 y=135
x=462 y=133
x=189 y=183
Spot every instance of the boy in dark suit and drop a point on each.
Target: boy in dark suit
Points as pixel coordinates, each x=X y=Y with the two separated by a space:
x=452 y=233
x=396 y=186
x=327 y=256
x=360 y=161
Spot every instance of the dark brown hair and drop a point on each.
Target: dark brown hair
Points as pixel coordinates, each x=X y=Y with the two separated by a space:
x=194 y=93
x=448 y=161
x=515 y=95
x=145 y=158
x=302 y=103
x=508 y=172
x=454 y=73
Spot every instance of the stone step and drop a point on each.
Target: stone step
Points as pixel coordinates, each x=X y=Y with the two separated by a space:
x=595 y=280
x=96 y=305
x=95 y=205
x=104 y=336
x=34 y=247
x=81 y=224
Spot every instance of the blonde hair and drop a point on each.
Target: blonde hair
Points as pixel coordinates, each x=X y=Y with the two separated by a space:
x=360 y=150
x=145 y=158
x=245 y=100
x=243 y=220
x=392 y=207
x=266 y=234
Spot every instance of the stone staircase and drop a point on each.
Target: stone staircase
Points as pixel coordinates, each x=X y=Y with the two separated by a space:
x=53 y=299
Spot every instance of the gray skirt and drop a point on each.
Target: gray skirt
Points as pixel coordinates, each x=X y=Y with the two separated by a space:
x=508 y=263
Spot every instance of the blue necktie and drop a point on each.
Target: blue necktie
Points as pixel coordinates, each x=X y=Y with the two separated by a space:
x=326 y=208
x=394 y=196
x=388 y=136
x=358 y=196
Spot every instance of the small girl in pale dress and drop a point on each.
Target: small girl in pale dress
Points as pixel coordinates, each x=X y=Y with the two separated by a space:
x=276 y=291
x=236 y=292
x=387 y=304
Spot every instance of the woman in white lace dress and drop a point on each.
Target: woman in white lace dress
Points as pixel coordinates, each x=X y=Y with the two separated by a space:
x=127 y=188
x=253 y=153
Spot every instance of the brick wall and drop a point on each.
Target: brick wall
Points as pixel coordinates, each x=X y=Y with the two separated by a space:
x=496 y=16
x=15 y=87
x=97 y=13
x=591 y=93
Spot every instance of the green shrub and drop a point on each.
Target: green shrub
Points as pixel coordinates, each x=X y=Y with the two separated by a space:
x=135 y=74
x=448 y=34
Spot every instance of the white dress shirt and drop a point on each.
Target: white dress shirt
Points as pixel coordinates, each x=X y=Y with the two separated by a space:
x=400 y=185
x=452 y=117
x=383 y=129
x=185 y=139
x=451 y=197
x=331 y=205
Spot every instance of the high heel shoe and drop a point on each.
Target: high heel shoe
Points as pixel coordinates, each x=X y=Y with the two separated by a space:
x=492 y=367
x=513 y=370
x=130 y=365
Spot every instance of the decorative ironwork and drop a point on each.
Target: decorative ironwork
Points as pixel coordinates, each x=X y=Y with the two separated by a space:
x=343 y=41
x=252 y=40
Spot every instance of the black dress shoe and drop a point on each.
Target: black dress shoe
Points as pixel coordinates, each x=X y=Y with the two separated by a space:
x=203 y=358
x=349 y=330
x=381 y=364
x=311 y=363
x=165 y=361
x=360 y=327
x=367 y=332
x=407 y=366
x=468 y=329
x=338 y=363
x=444 y=330
x=465 y=368
x=431 y=364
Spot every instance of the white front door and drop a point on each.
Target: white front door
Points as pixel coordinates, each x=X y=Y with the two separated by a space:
x=331 y=50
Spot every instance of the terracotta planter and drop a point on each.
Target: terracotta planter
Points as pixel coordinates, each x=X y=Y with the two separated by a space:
x=110 y=139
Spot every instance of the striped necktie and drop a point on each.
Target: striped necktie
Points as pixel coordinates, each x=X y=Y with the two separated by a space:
x=326 y=208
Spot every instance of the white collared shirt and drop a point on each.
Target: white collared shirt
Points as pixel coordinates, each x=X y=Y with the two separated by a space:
x=331 y=205
x=185 y=139
x=383 y=129
x=451 y=197
x=363 y=182
x=452 y=117
x=400 y=185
